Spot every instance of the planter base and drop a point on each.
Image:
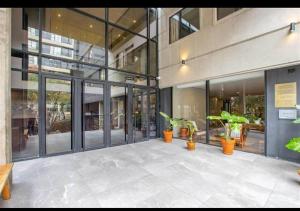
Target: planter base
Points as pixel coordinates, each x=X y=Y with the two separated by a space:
x=191 y=146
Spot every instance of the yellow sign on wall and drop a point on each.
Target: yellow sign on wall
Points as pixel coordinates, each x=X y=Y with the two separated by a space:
x=285 y=95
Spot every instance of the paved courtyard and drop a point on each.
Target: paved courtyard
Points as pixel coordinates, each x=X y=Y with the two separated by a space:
x=155 y=174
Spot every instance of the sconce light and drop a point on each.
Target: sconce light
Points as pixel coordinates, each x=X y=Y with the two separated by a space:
x=183 y=61
x=292 y=27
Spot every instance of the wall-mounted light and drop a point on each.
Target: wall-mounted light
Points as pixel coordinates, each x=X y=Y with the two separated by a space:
x=292 y=27
x=183 y=61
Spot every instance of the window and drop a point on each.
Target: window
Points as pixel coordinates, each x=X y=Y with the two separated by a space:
x=183 y=23
x=223 y=12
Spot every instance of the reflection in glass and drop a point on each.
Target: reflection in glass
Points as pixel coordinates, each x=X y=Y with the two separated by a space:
x=118 y=115
x=223 y=12
x=241 y=95
x=153 y=58
x=139 y=113
x=153 y=23
x=126 y=51
x=24 y=32
x=70 y=35
x=152 y=115
x=74 y=69
x=133 y=19
x=118 y=76
x=193 y=108
x=93 y=107
x=183 y=23
x=24 y=115
x=58 y=116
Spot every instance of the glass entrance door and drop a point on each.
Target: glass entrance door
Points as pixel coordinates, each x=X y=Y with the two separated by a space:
x=139 y=114
x=58 y=115
x=93 y=115
x=118 y=115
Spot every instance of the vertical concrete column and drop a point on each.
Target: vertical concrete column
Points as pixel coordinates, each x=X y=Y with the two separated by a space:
x=5 y=85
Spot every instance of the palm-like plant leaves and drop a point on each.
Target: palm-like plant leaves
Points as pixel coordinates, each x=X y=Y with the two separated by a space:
x=294 y=144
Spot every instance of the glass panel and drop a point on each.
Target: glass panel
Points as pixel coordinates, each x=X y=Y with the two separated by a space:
x=93 y=106
x=119 y=76
x=24 y=115
x=153 y=23
x=152 y=115
x=190 y=21
x=193 y=108
x=223 y=12
x=75 y=69
x=127 y=51
x=241 y=95
x=153 y=58
x=133 y=19
x=153 y=82
x=174 y=28
x=183 y=23
x=71 y=35
x=25 y=64
x=58 y=116
x=24 y=32
x=139 y=113
x=118 y=115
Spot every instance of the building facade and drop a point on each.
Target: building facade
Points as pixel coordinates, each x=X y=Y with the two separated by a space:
x=81 y=79
x=215 y=59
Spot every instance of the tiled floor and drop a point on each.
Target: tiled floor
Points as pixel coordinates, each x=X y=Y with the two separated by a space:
x=155 y=174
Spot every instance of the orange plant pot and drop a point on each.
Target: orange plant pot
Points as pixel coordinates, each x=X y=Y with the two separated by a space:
x=191 y=145
x=168 y=135
x=228 y=146
x=183 y=132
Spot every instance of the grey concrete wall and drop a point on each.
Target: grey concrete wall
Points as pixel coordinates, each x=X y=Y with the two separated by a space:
x=5 y=85
x=280 y=131
x=165 y=106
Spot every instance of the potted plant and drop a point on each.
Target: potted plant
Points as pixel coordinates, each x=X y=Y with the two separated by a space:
x=173 y=122
x=231 y=128
x=184 y=129
x=191 y=144
x=294 y=143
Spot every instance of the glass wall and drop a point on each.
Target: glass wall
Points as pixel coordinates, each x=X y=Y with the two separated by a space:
x=93 y=108
x=140 y=114
x=24 y=114
x=118 y=115
x=58 y=116
x=189 y=103
x=81 y=48
x=241 y=95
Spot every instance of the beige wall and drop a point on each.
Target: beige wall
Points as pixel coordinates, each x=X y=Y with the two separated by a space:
x=5 y=105
x=249 y=40
x=189 y=103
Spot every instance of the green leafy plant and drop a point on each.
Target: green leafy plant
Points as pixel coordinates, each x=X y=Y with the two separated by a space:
x=191 y=127
x=173 y=122
x=294 y=143
x=233 y=122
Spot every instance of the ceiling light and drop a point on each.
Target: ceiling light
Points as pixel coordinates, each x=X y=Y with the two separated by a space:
x=91 y=26
x=59 y=15
x=119 y=35
x=134 y=21
x=292 y=27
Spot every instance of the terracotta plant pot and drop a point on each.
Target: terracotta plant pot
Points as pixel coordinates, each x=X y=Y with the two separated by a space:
x=191 y=145
x=183 y=132
x=168 y=135
x=228 y=146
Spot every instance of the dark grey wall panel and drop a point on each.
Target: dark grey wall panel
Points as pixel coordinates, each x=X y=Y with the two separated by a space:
x=165 y=104
x=280 y=131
